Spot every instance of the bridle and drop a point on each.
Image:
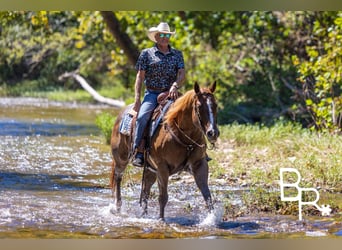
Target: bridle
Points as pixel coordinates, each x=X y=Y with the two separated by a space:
x=191 y=146
x=211 y=120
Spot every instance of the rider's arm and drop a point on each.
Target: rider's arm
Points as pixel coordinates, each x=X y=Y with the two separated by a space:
x=138 y=85
x=180 y=78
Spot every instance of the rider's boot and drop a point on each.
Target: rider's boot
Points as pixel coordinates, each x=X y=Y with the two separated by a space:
x=138 y=160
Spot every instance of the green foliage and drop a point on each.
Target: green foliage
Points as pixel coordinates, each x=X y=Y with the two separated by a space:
x=321 y=76
x=249 y=53
x=105 y=122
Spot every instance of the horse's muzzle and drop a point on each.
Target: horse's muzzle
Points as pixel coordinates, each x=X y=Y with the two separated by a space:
x=212 y=134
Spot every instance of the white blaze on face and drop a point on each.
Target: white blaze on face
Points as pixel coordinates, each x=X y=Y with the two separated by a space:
x=211 y=115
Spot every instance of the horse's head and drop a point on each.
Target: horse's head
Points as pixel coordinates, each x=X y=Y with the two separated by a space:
x=206 y=111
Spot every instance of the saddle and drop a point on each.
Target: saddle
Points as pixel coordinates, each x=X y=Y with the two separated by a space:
x=159 y=112
x=127 y=124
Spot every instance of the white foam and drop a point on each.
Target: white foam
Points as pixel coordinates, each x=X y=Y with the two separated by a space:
x=5 y=212
x=315 y=233
x=109 y=213
x=213 y=218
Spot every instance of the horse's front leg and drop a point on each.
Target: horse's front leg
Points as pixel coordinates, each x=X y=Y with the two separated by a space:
x=200 y=172
x=149 y=178
x=115 y=183
x=163 y=179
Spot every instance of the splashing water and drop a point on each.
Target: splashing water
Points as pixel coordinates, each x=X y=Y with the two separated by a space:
x=213 y=218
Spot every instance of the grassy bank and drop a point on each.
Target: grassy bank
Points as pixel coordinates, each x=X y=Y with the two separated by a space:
x=251 y=156
x=31 y=89
x=256 y=153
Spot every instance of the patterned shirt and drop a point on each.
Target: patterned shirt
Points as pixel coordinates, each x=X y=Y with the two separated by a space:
x=160 y=69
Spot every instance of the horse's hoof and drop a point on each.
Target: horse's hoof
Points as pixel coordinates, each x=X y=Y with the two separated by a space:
x=115 y=210
x=143 y=214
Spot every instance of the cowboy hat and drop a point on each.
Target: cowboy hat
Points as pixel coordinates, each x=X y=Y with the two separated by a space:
x=161 y=28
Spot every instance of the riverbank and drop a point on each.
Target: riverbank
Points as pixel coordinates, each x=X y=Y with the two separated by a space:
x=251 y=156
x=65 y=95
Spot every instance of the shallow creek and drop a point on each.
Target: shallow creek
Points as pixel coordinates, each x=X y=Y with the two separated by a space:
x=54 y=175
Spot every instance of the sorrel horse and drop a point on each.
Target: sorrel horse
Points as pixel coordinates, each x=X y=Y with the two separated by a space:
x=179 y=143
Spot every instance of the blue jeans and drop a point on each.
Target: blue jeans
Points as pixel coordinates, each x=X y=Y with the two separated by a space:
x=147 y=107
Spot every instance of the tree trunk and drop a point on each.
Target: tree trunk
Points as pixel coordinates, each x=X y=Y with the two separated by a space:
x=120 y=36
x=91 y=91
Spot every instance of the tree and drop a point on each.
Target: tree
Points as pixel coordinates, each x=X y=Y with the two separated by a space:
x=251 y=54
x=120 y=36
x=321 y=75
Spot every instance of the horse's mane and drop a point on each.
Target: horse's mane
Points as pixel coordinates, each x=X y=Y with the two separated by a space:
x=180 y=105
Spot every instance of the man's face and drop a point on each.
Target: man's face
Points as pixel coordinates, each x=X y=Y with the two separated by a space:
x=163 y=38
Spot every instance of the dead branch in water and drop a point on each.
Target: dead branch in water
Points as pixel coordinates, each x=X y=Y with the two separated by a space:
x=91 y=91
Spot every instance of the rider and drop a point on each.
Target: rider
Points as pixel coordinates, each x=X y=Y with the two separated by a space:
x=161 y=68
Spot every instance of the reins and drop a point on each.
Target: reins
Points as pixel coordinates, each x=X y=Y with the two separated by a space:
x=191 y=146
x=189 y=138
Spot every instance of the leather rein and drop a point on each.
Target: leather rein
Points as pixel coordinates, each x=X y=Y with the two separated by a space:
x=190 y=147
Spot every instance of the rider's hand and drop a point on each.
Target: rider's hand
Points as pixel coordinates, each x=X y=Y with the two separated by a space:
x=173 y=93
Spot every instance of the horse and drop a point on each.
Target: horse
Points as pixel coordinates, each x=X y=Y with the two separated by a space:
x=178 y=144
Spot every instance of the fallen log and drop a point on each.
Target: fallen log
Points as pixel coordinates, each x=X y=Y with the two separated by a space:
x=91 y=91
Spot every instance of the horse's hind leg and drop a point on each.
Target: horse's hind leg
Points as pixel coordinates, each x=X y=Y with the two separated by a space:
x=149 y=178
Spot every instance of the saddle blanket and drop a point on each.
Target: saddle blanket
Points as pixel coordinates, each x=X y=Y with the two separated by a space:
x=126 y=124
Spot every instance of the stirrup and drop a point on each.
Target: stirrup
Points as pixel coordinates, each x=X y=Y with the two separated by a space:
x=138 y=161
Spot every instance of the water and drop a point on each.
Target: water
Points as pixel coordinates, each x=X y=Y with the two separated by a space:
x=54 y=169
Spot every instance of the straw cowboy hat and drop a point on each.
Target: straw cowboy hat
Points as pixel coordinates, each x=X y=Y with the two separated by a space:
x=161 y=28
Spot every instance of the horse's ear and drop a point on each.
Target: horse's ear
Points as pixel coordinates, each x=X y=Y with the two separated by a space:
x=213 y=87
x=197 y=88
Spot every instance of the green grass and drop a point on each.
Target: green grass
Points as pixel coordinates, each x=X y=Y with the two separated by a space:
x=256 y=154
x=54 y=94
x=34 y=89
x=251 y=156
x=105 y=122
x=68 y=96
